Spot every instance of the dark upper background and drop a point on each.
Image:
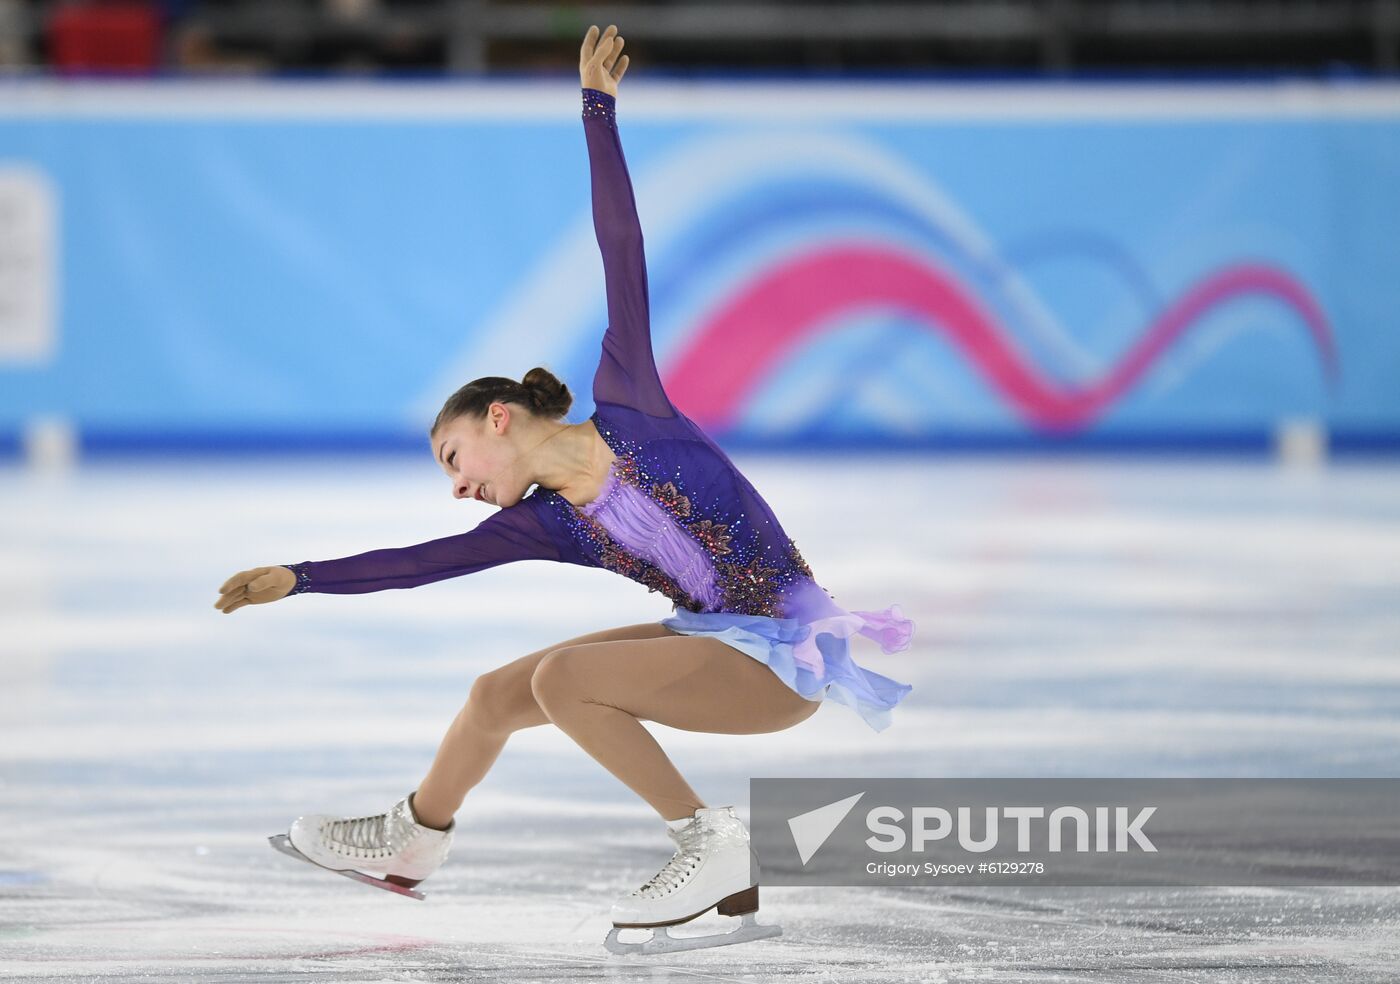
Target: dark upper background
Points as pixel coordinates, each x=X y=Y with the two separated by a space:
x=690 y=37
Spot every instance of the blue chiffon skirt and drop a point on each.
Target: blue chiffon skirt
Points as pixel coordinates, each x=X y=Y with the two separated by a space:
x=813 y=658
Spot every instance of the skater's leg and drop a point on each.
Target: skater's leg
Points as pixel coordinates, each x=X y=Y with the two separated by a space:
x=499 y=703
x=599 y=693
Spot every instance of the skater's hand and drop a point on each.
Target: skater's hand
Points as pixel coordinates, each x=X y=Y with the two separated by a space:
x=599 y=66
x=255 y=587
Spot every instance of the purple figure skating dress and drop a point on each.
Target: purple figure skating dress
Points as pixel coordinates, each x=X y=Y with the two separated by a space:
x=674 y=513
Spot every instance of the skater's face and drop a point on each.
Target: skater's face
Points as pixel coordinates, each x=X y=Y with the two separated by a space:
x=477 y=455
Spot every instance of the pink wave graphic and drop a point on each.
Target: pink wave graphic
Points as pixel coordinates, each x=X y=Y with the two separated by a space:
x=770 y=316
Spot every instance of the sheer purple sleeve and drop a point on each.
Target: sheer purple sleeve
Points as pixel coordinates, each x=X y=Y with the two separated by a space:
x=626 y=372
x=509 y=534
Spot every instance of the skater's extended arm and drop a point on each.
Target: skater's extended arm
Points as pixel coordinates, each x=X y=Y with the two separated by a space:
x=507 y=535
x=627 y=371
x=510 y=534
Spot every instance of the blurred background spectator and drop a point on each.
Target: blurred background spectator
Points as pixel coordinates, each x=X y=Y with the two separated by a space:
x=474 y=36
x=106 y=35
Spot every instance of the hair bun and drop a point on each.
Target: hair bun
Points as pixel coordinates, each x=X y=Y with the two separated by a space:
x=548 y=394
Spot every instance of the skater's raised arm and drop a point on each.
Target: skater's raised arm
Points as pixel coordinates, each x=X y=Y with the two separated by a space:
x=510 y=534
x=626 y=372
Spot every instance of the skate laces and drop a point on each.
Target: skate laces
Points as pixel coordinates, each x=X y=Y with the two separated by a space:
x=704 y=832
x=672 y=873
x=361 y=835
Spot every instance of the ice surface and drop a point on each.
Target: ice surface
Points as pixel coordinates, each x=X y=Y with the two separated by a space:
x=1089 y=618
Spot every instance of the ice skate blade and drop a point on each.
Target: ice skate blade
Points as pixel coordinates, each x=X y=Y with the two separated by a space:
x=663 y=942
x=284 y=844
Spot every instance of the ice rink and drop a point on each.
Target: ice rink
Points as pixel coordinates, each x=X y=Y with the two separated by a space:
x=1086 y=617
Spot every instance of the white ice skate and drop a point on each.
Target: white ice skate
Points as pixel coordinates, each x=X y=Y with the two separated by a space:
x=390 y=850
x=713 y=868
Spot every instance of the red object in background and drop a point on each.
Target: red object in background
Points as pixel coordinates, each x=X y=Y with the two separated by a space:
x=117 y=36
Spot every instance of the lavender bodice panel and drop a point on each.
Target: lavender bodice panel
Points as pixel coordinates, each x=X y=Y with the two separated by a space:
x=643 y=527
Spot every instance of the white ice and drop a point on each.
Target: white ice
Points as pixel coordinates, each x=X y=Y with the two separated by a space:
x=1169 y=617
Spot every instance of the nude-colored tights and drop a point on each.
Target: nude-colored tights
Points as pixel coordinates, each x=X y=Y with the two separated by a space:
x=598 y=688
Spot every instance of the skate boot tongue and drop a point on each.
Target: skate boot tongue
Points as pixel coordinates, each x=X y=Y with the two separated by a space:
x=720 y=821
x=704 y=817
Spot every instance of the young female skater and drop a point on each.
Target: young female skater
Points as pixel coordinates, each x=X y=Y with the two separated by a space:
x=754 y=644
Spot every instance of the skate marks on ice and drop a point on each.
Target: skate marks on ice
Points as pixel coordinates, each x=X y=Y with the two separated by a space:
x=1123 y=936
x=1075 y=620
x=478 y=927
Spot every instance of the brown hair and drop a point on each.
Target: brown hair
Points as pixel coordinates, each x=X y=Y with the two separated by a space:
x=540 y=391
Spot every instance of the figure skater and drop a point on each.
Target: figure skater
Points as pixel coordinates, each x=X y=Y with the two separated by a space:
x=754 y=644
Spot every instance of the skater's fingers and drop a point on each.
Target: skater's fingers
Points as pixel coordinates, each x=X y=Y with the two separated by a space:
x=236 y=593
x=614 y=54
x=603 y=47
x=229 y=602
x=590 y=38
x=229 y=598
x=621 y=69
x=237 y=581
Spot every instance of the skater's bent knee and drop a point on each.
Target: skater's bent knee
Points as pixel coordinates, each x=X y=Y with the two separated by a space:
x=555 y=677
x=500 y=701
